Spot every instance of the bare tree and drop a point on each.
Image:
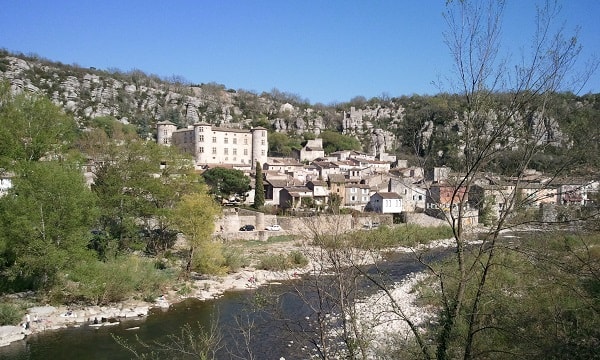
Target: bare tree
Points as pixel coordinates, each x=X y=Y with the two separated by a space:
x=489 y=125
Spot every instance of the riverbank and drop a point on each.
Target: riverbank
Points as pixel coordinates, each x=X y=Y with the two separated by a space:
x=44 y=318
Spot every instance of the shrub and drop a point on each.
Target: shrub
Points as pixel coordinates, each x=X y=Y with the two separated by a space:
x=235 y=260
x=88 y=282
x=10 y=314
x=297 y=258
x=281 y=262
x=209 y=259
x=273 y=262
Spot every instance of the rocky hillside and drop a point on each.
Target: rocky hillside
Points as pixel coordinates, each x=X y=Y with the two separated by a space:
x=425 y=125
x=137 y=98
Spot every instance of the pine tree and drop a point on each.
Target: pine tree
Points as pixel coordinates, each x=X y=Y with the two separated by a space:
x=259 y=195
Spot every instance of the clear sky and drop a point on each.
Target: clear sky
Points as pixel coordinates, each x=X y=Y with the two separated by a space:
x=323 y=50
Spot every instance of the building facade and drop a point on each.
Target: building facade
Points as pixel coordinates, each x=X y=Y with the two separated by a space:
x=211 y=145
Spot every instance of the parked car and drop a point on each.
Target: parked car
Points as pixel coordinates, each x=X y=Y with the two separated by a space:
x=247 y=228
x=274 y=227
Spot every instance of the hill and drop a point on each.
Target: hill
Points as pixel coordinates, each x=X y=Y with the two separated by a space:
x=414 y=127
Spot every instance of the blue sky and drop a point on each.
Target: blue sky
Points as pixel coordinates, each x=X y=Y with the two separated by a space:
x=324 y=51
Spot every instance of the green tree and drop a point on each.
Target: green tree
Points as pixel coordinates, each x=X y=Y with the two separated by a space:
x=195 y=216
x=138 y=183
x=259 y=188
x=224 y=182
x=45 y=223
x=31 y=127
x=334 y=141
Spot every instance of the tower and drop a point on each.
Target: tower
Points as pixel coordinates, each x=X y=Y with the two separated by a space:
x=164 y=132
x=260 y=145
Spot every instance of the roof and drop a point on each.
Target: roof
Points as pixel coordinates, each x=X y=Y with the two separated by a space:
x=388 y=195
x=337 y=178
x=278 y=183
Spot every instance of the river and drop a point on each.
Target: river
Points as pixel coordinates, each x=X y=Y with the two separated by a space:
x=271 y=336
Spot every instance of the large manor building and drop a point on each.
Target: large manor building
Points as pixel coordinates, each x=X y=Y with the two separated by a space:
x=211 y=145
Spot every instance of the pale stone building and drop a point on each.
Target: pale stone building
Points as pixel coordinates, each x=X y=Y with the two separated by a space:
x=211 y=145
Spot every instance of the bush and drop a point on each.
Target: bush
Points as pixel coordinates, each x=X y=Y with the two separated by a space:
x=281 y=262
x=10 y=314
x=88 y=282
x=298 y=259
x=273 y=262
x=235 y=260
x=209 y=259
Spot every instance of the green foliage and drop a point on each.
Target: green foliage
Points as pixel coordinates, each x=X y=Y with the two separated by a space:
x=408 y=235
x=113 y=128
x=129 y=276
x=225 y=182
x=234 y=259
x=31 y=128
x=209 y=259
x=334 y=141
x=10 y=313
x=45 y=224
x=259 y=194
x=136 y=194
x=195 y=217
x=540 y=301
x=282 y=144
x=280 y=262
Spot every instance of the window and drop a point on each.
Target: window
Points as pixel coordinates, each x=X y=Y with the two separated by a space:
x=200 y=129
x=234 y=141
x=262 y=142
x=353 y=198
x=365 y=198
x=226 y=141
x=245 y=141
x=365 y=191
x=262 y=153
x=166 y=141
x=214 y=151
x=263 y=133
x=226 y=151
x=245 y=151
x=234 y=150
x=353 y=190
x=201 y=149
x=214 y=139
x=165 y=132
x=201 y=138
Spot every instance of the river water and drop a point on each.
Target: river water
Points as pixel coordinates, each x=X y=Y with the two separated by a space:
x=277 y=313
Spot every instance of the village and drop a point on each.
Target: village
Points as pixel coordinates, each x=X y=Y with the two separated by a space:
x=369 y=185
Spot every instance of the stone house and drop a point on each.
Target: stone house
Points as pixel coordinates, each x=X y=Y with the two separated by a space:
x=356 y=196
x=444 y=201
x=386 y=203
x=282 y=165
x=290 y=197
x=320 y=192
x=311 y=151
x=337 y=185
x=534 y=194
x=494 y=197
x=326 y=168
x=577 y=192
x=412 y=193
